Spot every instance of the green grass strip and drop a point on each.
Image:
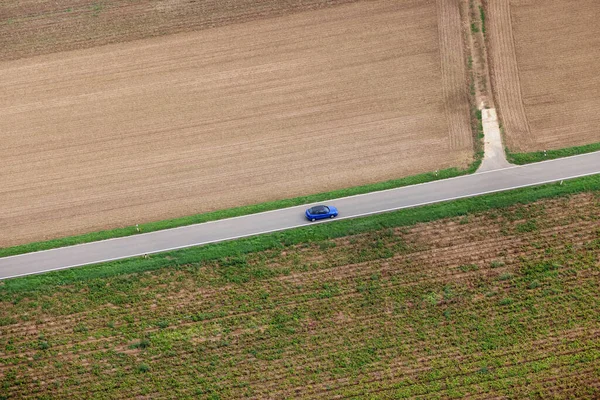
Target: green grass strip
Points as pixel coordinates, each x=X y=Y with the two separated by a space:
x=527 y=158
x=482 y=15
x=313 y=233
x=238 y=211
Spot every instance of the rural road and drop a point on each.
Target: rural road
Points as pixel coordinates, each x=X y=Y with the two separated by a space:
x=277 y=220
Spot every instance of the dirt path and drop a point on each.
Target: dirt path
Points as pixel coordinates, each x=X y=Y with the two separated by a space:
x=505 y=76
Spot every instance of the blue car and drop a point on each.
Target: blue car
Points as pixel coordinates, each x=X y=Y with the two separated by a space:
x=321 y=212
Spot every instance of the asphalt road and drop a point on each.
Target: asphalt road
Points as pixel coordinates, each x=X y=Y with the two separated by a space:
x=277 y=220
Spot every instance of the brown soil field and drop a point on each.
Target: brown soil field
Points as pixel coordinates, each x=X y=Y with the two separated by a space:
x=501 y=304
x=33 y=27
x=243 y=113
x=545 y=72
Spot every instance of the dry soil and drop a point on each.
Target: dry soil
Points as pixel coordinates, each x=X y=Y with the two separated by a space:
x=243 y=113
x=544 y=57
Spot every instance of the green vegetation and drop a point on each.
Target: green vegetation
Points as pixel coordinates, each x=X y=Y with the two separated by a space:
x=394 y=310
x=479 y=116
x=96 y=9
x=235 y=212
x=310 y=234
x=482 y=16
x=527 y=158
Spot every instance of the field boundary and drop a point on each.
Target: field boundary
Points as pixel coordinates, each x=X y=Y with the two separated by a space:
x=537 y=156
x=308 y=234
x=504 y=75
x=454 y=75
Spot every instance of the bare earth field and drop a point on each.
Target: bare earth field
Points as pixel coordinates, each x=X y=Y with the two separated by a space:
x=544 y=60
x=504 y=304
x=33 y=27
x=249 y=112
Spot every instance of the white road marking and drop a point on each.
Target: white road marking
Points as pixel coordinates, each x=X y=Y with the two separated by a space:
x=299 y=225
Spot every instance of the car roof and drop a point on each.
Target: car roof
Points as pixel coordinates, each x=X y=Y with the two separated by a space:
x=318 y=209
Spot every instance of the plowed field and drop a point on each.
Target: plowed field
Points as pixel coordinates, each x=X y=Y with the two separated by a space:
x=33 y=27
x=243 y=113
x=544 y=59
x=503 y=304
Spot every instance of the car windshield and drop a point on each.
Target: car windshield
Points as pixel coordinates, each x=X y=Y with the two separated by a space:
x=319 y=210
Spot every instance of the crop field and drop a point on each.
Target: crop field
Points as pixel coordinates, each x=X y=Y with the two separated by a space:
x=545 y=71
x=503 y=304
x=267 y=109
x=33 y=27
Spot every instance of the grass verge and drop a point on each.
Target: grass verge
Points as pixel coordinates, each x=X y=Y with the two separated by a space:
x=315 y=233
x=527 y=158
x=238 y=211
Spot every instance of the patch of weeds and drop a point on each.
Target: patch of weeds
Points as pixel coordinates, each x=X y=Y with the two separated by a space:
x=497 y=264
x=479 y=116
x=4 y=321
x=448 y=293
x=235 y=270
x=505 y=276
x=506 y=301
x=42 y=343
x=355 y=360
x=529 y=226
x=96 y=370
x=329 y=290
x=474 y=27
x=533 y=284
x=141 y=344
x=162 y=324
x=469 y=267
x=80 y=328
x=371 y=290
x=482 y=16
x=432 y=298
x=96 y=9
x=143 y=368
x=534 y=268
x=483 y=370
x=327 y=244
x=550 y=292
x=286 y=322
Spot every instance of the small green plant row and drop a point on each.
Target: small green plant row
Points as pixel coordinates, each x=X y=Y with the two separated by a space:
x=475 y=26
